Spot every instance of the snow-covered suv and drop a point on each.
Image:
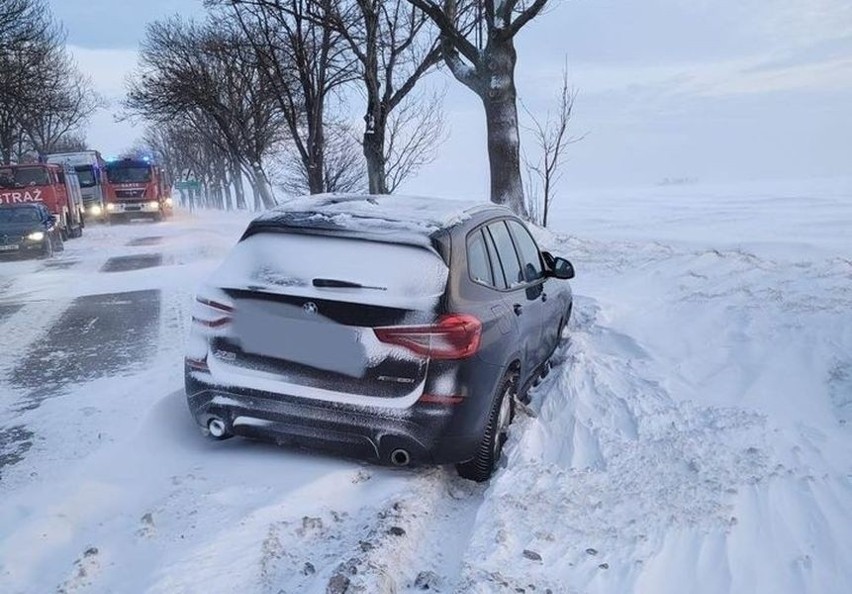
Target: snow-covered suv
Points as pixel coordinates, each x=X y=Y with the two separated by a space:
x=395 y=329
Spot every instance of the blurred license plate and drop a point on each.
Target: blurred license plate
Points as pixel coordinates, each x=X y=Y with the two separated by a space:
x=8 y=248
x=319 y=343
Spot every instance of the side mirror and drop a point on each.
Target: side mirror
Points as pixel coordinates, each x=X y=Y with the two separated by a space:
x=562 y=268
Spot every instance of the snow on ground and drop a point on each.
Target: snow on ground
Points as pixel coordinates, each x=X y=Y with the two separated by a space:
x=694 y=438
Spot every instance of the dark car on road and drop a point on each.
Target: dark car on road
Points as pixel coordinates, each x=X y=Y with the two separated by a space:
x=28 y=229
x=398 y=330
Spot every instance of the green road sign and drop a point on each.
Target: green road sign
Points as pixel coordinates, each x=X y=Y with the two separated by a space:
x=187 y=185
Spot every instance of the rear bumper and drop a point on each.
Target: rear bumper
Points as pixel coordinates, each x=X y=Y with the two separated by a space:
x=430 y=434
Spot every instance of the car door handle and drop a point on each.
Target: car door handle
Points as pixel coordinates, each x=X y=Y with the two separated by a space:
x=518 y=309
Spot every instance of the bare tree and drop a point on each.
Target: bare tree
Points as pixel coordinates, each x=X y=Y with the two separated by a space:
x=394 y=46
x=343 y=164
x=206 y=77
x=43 y=97
x=68 y=105
x=551 y=137
x=302 y=63
x=415 y=130
x=71 y=143
x=483 y=58
x=29 y=37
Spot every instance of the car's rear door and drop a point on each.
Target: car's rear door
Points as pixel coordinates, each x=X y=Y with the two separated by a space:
x=524 y=295
x=533 y=265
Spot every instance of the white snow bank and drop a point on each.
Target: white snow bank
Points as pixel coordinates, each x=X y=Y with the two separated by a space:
x=696 y=438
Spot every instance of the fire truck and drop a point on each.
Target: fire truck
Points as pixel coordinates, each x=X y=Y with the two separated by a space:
x=56 y=186
x=137 y=189
x=90 y=171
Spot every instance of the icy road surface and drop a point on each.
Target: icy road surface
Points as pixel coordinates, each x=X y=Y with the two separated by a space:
x=696 y=436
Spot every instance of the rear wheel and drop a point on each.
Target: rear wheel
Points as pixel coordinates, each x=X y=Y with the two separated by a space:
x=63 y=225
x=481 y=467
x=48 y=248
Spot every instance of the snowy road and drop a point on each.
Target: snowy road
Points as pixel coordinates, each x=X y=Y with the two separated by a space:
x=695 y=438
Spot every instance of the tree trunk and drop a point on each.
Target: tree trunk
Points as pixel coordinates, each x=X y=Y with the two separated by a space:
x=226 y=192
x=315 y=165
x=262 y=189
x=374 y=154
x=504 y=154
x=239 y=188
x=497 y=90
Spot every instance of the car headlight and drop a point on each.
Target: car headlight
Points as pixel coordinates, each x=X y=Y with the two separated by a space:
x=37 y=236
x=96 y=210
x=153 y=204
x=169 y=202
x=110 y=206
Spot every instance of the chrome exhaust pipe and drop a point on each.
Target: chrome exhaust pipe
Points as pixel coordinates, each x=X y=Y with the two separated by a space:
x=400 y=457
x=217 y=427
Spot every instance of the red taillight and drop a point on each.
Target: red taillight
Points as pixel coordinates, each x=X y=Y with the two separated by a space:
x=453 y=336
x=207 y=318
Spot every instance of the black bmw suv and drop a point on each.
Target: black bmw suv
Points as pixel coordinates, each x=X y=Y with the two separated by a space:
x=399 y=330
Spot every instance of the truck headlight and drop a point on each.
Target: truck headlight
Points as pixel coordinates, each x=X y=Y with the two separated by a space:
x=36 y=236
x=110 y=206
x=153 y=204
x=96 y=210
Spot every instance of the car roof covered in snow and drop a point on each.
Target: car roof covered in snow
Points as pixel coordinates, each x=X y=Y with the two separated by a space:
x=374 y=215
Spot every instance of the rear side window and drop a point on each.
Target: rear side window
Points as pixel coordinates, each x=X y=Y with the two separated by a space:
x=478 y=263
x=507 y=254
x=528 y=251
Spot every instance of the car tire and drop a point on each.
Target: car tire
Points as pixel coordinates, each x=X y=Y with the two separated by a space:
x=48 y=249
x=60 y=245
x=482 y=466
x=63 y=225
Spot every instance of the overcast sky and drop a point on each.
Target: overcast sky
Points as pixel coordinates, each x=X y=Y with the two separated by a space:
x=718 y=90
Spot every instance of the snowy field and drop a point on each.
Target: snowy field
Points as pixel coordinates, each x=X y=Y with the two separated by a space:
x=696 y=436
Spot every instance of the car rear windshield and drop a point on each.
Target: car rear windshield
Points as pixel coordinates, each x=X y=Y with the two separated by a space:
x=337 y=268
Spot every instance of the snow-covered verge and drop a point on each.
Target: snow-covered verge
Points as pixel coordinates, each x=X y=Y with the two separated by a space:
x=695 y=437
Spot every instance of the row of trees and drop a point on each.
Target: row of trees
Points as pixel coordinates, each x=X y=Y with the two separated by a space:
x=45 y=102
x=264 y=89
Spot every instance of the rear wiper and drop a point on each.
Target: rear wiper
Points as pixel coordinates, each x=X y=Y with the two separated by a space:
x=331 y=283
